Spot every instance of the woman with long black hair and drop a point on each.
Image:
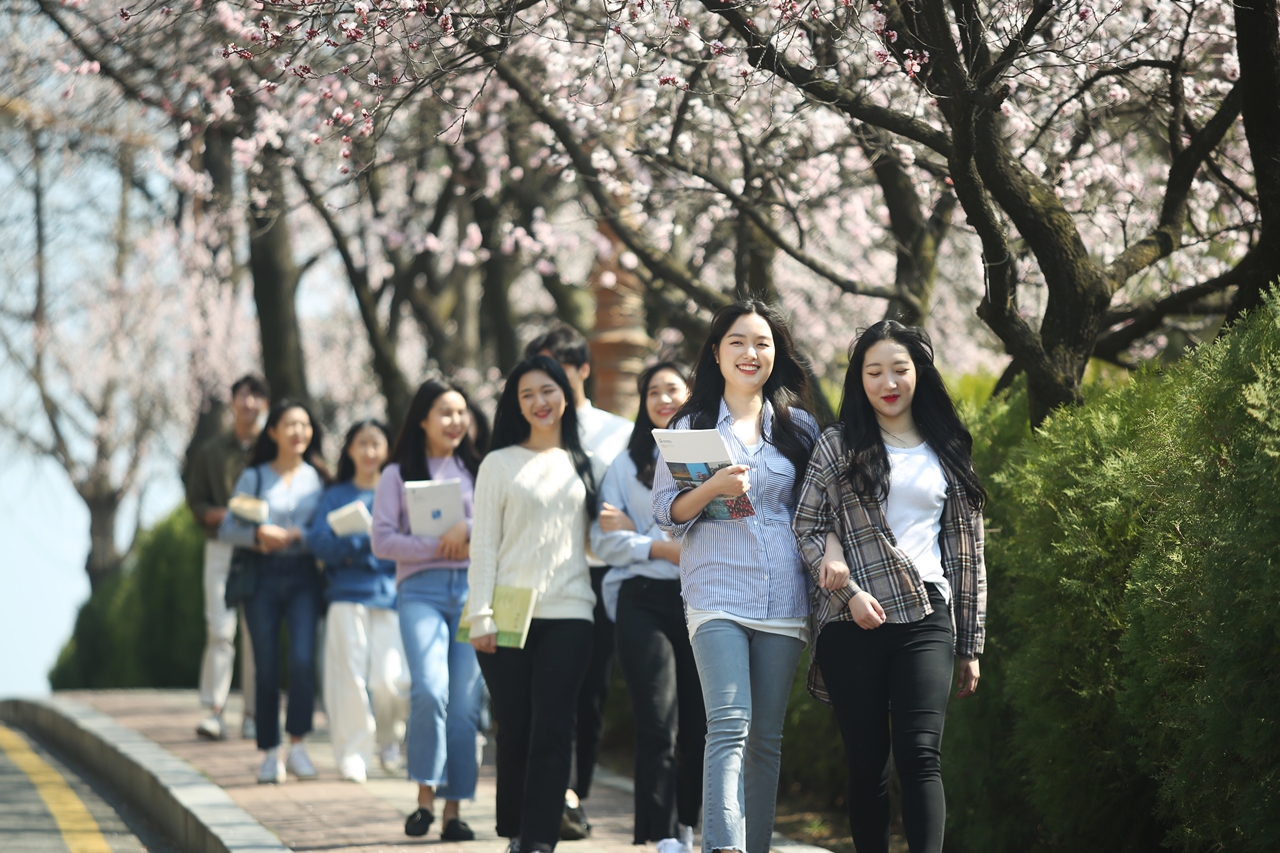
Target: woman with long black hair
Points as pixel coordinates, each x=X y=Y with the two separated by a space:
x=535 y=496
x=288 y=474
x=890 y=526
x=642 y=596
x=744 y=586
x=434 y=443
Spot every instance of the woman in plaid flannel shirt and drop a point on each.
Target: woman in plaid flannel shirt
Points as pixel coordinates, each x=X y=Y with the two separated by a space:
x=889 y=524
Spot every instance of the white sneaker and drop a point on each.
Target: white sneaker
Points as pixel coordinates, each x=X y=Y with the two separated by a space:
x=299 y=763
x=272 y=772
x=389 y=755
x=353 y=770
x=686 y=838
x=670 y=845
x=249 y=728
x=211 y=728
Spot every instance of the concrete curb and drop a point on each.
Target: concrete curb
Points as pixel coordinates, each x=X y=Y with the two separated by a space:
x=197 y=815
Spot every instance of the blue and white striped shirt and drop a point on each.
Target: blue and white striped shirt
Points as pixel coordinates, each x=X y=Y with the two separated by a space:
x=748 y=567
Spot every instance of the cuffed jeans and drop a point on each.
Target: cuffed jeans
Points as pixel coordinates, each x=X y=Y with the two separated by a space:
x=535 y=694
x=666 y=702
x=898 y=673
x=366 y=683
x=445 y=692
x=289 y=591
x=746 y=681
x=220 y=639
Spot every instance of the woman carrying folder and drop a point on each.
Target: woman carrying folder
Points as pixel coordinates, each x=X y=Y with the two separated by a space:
x=535 y=496
x=642 y=595
x=744 y=586
x=366 y=685
x=431 y=583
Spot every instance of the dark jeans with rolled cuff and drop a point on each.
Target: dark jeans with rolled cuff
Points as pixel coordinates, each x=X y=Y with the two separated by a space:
x=666 y=702
x=889 y=687
x=289 y=590
x=534 y=692
x=594 y=692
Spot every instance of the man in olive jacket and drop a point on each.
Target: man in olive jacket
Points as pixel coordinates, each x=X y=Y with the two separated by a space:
x=209 y=478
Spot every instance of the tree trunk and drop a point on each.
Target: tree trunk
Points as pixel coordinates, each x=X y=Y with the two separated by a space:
x=105 y=560
x=275 y=282
x=618 y=342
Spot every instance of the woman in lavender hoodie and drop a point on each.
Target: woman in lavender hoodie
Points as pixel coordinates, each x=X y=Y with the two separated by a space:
x=431 y=582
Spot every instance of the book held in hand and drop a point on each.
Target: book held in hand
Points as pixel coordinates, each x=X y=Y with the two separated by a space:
x=434 y=505
x=350 y=519
x=692 y=456
x=512 y=613
x=250 y=509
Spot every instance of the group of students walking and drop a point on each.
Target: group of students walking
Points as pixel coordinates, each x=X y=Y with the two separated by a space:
x=864 y=543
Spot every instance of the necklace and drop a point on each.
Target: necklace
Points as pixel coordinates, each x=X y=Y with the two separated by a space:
x=895 y=435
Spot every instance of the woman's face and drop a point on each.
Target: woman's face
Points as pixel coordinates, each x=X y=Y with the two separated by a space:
x=292 y=433
x=541 y=400
x=746 y=353
x=667 y=393
x=889 y=378
x=446 y=424
x=368 y=450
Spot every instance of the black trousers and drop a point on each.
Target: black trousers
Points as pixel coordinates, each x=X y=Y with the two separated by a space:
x=666 y=701
x=594 y=692
x=534 y=691
x=891 y=685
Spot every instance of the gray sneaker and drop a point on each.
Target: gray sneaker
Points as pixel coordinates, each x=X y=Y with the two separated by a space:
x=248 y=729
x=299 y=763
x=211 y=728
x=272 y=771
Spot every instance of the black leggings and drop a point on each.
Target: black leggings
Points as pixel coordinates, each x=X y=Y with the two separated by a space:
x=593 y=693
x=666 y=701
x=534 y=691
x=899 y=673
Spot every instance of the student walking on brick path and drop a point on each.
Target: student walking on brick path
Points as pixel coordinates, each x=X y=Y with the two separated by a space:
x=890 y=526
x=642 y=595
x=535 y=497
x=286 y=472
x=744 y=586
x=366 y=682
x=604 y=435
x=434 y=443
x=209 y=478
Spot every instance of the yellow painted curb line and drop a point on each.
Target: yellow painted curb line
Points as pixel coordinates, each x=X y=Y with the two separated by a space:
x=79 y=830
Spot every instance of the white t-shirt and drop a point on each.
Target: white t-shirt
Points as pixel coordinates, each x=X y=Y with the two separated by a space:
x=917 y=494
x=603 y=434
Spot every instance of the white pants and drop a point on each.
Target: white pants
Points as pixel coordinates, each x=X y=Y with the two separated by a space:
x=366 y=682
x=220 y=638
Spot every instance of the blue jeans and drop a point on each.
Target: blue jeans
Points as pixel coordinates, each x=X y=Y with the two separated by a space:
x=746 y=682
x=444 y=697
x=289 y=590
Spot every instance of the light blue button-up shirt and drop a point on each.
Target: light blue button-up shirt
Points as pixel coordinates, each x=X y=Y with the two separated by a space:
x=748 y=567
x=291 y=505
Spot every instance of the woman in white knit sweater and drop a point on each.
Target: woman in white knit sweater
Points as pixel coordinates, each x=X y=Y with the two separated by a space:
x=535 y=496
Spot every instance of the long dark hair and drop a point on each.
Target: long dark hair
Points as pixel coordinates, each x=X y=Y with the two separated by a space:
x=786 y=388
x=347 y=465
x=931 y=408
x=510 y=426
x=642 y=445
x=410 y=450
x=266 y=449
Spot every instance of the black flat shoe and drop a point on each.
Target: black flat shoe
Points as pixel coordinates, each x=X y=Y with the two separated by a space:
x=574 y=825
x=455 y=829
x=417 y=824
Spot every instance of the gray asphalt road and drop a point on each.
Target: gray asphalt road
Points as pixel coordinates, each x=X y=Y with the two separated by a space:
x=49 y=805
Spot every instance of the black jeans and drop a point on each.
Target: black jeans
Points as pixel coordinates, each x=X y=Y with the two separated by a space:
x=594 y=692
x=666 y=701
x=534 y=691
x=289 y=590
x=899 y=673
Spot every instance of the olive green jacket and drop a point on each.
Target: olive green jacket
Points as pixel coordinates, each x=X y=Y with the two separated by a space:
x=211 y=474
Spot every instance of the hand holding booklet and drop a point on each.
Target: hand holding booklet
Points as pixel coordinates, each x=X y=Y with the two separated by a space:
x=692 y=456
x=512 y=613
x=350 y=519
x=434 y=506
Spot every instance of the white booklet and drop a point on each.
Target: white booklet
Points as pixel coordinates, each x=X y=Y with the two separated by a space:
x=434 y=505
x=350 y=519
x=692 y=456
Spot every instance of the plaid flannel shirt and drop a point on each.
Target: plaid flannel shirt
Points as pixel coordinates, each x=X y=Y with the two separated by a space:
x=876 y=566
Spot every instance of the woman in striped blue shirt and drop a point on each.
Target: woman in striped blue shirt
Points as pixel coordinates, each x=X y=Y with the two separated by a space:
x=743 y=582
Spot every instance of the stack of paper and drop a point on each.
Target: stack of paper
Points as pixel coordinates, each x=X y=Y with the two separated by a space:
x=351 y=519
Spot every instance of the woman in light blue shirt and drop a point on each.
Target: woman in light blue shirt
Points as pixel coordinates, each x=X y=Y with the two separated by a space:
x=288 y=473
x=642 y=595
x=744 y=585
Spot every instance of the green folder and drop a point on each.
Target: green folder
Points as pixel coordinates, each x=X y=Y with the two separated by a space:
x=512 y=613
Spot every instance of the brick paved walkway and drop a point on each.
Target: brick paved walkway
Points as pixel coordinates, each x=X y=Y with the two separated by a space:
x=329 y=814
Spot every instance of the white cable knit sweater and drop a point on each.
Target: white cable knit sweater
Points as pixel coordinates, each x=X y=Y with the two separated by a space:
x=530 y=531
